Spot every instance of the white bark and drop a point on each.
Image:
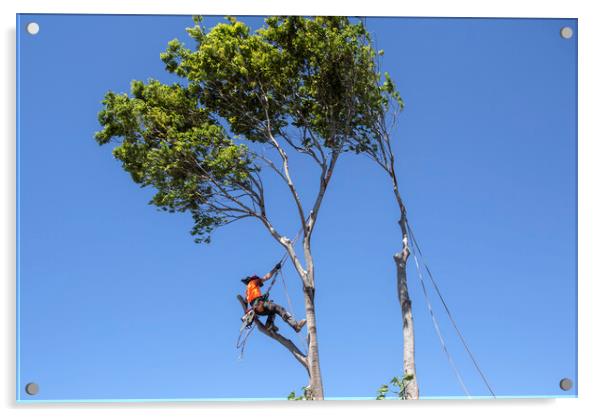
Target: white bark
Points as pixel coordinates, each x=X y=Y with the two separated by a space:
x=409 y=365
x=313 y=357
x=401 y=258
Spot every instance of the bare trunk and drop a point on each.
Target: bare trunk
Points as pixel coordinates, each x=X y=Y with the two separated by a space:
x=311 y=361
x=400 y=258
x=409 y=365
x=316 y=390
x=313 y=358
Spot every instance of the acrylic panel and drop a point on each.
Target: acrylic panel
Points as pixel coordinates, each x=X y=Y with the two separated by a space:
x=415 y=179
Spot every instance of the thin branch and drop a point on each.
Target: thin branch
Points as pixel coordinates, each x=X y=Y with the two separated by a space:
x=271 y=165
x=232 y=219
x=223 y=191
x=285 y=166
x=324 y=181
x=288 y=246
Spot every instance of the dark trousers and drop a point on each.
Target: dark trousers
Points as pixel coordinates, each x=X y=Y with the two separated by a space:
x=270 y=309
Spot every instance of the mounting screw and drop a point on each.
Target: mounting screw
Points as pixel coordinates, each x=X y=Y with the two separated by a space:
x=566 y=384
x=566 y=32
x=33 y=28
x=32 y=388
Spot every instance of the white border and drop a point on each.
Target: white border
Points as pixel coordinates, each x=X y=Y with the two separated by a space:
x=590 y=207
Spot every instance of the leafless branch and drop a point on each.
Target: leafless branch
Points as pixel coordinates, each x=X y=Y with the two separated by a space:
x=285 y=166
x=287 y=343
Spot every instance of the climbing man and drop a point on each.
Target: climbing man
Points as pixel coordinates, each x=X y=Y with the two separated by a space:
x=265 y=307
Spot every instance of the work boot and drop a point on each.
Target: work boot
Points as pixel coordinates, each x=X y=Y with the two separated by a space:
x=299 y=325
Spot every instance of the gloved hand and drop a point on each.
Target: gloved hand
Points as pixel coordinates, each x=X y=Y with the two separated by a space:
x=278 y=266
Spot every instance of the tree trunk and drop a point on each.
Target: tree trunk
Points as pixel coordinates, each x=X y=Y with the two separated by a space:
x=409 y=365
x=313 y=358
x=309 y=291
x=400 y=258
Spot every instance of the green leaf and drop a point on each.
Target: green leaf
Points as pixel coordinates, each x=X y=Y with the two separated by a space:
x=186 y=140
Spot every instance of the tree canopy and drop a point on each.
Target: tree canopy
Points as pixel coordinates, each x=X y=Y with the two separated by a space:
x=311 y=84
x=170 y=143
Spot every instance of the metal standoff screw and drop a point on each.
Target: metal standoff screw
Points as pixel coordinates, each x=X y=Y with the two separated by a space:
x=566 y=32
x=32 y=388
x=33 y=28
x=566 y=384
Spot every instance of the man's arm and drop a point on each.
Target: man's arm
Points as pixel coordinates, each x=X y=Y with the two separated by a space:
x=272 y=272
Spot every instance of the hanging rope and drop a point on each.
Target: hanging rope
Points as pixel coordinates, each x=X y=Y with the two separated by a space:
x=242 y=344
x=438 y=330
x=302 y=343
x=447 y=310
x=285 y=289
x=283 y=260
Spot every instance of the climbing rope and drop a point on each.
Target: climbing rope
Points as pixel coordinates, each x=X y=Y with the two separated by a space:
x=414 y=243
x=241 y=343
x=302 y=343
x=285 y=289
x=282 y=261
x=438 y=330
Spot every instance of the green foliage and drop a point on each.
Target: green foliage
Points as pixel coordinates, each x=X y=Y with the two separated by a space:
x=168 y=142
x=318 y=76
x=397 y=387
x=306 y=396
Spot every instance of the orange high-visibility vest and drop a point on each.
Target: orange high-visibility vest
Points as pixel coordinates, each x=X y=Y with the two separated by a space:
x=253 y=290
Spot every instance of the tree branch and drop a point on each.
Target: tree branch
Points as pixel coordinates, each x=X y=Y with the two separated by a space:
x=324 y=180
x=285 y=166
x=287 y=244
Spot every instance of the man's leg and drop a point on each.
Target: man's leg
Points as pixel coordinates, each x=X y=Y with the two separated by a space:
x=269 y=323
x=273 y=308
x=261 y=309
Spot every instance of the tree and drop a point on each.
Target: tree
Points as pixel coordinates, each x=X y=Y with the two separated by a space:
x=377 y=147
x=305 y=85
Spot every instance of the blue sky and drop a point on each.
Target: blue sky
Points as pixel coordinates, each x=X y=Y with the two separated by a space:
x=117 y=302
